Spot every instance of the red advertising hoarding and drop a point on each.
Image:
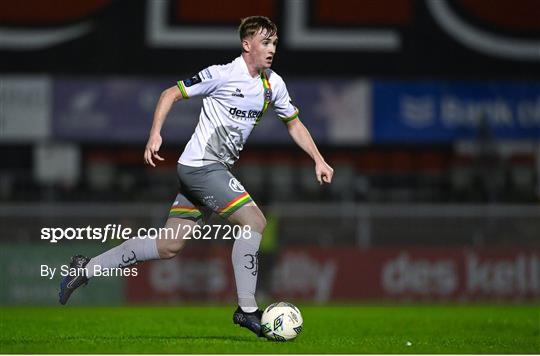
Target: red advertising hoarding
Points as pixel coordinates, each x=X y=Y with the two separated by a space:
x=341 y=274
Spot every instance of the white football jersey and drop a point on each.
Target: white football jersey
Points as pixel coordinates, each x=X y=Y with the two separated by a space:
x=234 y=103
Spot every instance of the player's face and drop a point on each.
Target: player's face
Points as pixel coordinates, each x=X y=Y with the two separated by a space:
x=263 y=49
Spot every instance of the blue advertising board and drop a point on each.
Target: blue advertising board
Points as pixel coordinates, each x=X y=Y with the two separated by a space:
x=445 y=111
x=121 y=110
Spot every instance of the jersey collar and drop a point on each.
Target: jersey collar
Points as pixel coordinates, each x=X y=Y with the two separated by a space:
x=244 y=68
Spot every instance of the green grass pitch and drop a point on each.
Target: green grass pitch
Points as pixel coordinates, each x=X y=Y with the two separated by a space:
x=327 y=329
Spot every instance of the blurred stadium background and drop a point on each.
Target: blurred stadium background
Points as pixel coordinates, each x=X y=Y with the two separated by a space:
x=429 y=111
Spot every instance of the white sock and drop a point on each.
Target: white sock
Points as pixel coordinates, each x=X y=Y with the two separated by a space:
x=245 y=263
x=128 y=253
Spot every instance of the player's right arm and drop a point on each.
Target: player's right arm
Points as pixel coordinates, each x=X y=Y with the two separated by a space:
x=203 y=83
x=166 y=100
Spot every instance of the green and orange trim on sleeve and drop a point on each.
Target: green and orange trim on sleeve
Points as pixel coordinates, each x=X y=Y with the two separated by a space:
x=234 y=205
x=290 y=118
x=181 y=211
x=182 y=88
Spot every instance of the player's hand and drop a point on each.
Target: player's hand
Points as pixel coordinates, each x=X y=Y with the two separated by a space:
x=151 y=150
x=323 y=172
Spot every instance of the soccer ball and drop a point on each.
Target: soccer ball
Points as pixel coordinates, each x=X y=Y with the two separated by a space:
x=281 y=321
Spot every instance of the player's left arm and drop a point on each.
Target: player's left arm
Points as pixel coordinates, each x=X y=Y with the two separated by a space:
x=302 y=137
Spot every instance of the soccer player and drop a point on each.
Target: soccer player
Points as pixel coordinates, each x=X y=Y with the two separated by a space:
x=236 y=96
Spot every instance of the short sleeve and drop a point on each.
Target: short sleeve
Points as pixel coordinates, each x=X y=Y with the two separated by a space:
x=203 y=83
x=283 y=106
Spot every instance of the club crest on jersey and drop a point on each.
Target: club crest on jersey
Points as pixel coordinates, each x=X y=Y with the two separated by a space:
x=268 y=94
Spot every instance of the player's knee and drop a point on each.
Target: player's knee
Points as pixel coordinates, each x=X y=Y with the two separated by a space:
x=249 y=216
x=258 y=224
x=170 y=249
